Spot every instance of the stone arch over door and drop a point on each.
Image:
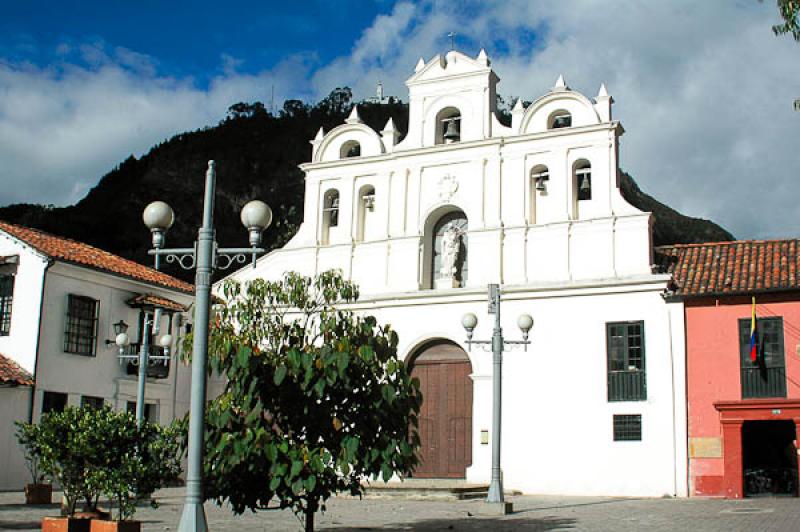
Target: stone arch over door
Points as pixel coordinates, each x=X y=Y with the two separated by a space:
x=445 y=421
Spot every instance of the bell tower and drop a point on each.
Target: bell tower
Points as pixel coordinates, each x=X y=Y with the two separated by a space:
x=451 y=99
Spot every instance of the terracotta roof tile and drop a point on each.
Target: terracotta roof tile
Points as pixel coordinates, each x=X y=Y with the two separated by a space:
x=67 y=250
x=150 y=300
x=11 y=373
x=738 y=267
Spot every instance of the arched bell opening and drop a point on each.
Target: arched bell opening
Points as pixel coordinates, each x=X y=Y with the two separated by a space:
x=448 y=126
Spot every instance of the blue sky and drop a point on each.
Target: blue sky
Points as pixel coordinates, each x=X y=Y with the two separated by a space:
x=187 y=38
x=703 y=89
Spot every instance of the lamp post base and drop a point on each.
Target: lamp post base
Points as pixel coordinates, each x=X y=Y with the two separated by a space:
x=495 y=508
x=193 y=518
x=495 y=494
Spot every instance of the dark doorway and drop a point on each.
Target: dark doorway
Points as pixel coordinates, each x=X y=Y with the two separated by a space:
x=769 y=458
x=445 y=420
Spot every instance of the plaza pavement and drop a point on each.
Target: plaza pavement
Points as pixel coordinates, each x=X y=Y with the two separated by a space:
x=532 y=513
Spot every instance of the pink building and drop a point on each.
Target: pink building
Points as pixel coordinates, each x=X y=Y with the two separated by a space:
x=743 y=417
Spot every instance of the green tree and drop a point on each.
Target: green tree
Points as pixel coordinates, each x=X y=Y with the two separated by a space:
x=790 y=13
x=65 y=445
x=316 y=399
x=90 y=451
x=132 y=460
x=28 y=438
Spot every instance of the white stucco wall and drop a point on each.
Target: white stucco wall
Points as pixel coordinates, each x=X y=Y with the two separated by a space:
x=14 y=404
x=20 y=344
x=573 y=265
x=102 y=375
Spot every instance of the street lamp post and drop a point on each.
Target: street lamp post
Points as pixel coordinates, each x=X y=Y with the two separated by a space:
x=150 y=325
x=204 y=258
x=497 y=343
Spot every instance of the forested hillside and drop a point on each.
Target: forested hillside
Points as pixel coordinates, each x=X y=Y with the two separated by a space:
x=257 y=156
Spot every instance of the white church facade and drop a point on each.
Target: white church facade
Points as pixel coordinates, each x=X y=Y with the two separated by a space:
x=596 y=405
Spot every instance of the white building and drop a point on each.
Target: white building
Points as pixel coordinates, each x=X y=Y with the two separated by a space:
x=59 y=302
x=597 y=403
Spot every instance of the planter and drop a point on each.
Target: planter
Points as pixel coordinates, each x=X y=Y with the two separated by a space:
x=66 y=524
x=115 y=526
x=39 y=494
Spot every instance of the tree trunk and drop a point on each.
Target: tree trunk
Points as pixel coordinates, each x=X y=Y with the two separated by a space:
x=310 y=510
x=309 y=520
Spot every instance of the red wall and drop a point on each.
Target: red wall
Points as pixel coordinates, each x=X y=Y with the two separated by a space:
x=712 y=337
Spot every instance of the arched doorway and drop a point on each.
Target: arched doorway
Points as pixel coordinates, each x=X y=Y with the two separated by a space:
x=445 y=421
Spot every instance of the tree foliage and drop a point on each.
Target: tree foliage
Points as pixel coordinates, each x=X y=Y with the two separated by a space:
x=316 y=399
x=789 y=11
x=93 y=451
x=28 y=438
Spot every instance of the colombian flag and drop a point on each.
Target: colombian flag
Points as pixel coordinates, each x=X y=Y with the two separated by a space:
x=753 y=335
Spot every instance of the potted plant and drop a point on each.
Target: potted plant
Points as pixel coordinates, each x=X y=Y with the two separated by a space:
x=65 y=447
x=38 y=491
x=135 y=461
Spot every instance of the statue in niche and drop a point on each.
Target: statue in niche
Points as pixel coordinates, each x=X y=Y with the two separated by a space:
x=451 y=245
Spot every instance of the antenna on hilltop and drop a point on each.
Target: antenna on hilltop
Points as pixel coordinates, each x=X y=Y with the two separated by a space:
x=272 y=101
x=452 y=36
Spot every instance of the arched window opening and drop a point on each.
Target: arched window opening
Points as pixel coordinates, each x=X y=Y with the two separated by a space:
x=559 y=119
x=366 y=212
x=539 y=177
x=351 y=148
x=583 y=180
x=330 y=214
x=450 y=251
x=448 y=126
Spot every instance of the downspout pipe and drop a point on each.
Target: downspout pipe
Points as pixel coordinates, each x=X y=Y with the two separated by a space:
x=47 y=266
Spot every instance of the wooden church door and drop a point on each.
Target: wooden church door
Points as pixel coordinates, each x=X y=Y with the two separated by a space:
x=445 y=426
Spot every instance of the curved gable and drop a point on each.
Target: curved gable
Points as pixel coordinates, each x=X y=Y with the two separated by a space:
x=535 y=119
x=331 y=146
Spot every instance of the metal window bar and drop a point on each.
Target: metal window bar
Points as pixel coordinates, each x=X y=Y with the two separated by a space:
x=6 y=303
x=81 y=331
x=628 y=427
x=155 y=369
x=766 y=377
x=53 y=402
x=627 y=378
x=88 y=401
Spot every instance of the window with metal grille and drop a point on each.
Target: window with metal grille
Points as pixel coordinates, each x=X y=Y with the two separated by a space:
x=626 y=362
x=87 y=401
x=80 y=336
x=150 y=411
x=6 y=300
x=53 y=402
x=628 y=427
x=766 y=377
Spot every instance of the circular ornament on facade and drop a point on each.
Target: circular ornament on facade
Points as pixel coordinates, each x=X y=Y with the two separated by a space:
x=448 y=186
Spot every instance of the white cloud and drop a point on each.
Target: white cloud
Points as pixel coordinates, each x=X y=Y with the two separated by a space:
x=703 y=88
x=64 y=126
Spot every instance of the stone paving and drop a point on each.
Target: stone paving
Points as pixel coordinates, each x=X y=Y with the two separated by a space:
x=532 y=513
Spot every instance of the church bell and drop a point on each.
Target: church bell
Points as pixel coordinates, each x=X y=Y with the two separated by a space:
x=451 y=134
x=585 y=185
